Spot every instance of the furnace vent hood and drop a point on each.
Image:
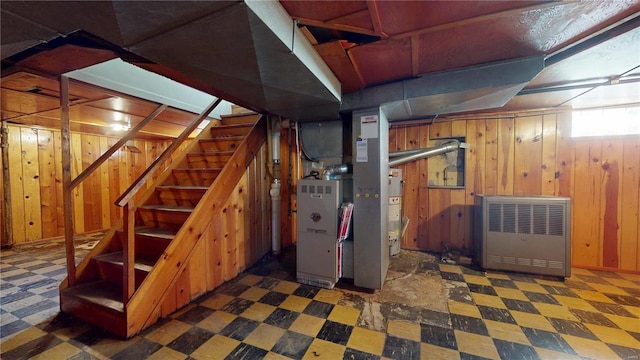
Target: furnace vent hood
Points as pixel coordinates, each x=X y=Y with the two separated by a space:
x=248 y=52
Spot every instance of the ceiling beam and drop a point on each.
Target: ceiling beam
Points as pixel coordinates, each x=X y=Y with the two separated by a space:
x=374 y=13
x=356 y=69
x=309 y=35
x=340 y=27
x=415 y=56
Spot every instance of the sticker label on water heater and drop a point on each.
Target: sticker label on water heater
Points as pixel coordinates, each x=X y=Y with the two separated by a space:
x=369 y=126
x=361 y=150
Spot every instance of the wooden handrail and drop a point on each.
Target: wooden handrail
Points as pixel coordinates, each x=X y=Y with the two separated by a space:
x=139 y=183
x=96 y=164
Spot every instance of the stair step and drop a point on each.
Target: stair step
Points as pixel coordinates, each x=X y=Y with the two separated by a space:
x=99 y=303
x=101 y=292
x=182 y=187
x=209 y=159
x=167 y=208
x=231 y=129
x=195 y=176
x=226 y=143
x=249 y=118
x=117 y=258
x=164 y=216
x=110 y=266
x=155 y=232
x=150 y=242
x=181 y=195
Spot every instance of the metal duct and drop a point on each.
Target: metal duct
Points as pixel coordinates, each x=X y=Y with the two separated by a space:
x=248 y=52
x=426 y=153
x=474 y=88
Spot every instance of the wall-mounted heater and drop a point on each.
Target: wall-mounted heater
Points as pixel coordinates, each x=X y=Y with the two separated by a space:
x=527 y=234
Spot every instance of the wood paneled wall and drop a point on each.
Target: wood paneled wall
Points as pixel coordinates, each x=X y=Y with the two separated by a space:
x=35 y=166
x=231 y=243
x=529 y=154
x=290 y=172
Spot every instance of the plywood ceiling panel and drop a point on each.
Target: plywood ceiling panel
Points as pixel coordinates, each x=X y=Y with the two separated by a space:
x=65 y=58
x=383 y=61
x=335 y=55
x=26 y=103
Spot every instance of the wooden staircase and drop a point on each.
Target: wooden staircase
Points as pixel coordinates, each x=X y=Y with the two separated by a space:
x=175 y=216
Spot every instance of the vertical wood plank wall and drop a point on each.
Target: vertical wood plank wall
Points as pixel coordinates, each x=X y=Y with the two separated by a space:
x=36 y=180
x=289 y=174
x=232 y=242
x=525 y=154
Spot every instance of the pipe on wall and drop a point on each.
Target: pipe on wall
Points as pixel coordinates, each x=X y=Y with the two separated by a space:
x=426 y=153
x=275 y=192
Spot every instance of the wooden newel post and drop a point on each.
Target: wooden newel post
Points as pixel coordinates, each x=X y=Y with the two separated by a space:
x=66 y=180
x=128 y=273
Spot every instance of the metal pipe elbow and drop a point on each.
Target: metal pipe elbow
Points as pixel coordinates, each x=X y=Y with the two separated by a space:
x=336 y=169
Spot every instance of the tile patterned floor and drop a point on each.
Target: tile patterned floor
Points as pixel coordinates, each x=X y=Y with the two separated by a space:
x=265 y=314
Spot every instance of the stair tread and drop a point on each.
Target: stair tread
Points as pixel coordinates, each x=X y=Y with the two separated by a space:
x=198 y=169
x=209 y=153
x=222 y=126
x=149 y=231
x=181 y=187
x=223 y=138
x=156 y=232
x=163 y=207
x=99 y=292
x=141 y=263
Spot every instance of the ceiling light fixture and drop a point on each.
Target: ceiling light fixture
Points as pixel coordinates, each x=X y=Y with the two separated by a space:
x=121 y=125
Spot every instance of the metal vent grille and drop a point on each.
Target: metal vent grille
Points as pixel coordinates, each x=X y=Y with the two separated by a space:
x=539 y=219
x=524 y=261
x=556 y=220
x=524 y=219
x=556 y=264
x=539 y=263
x=509 y=219
x=523 y=233
x=495 y=217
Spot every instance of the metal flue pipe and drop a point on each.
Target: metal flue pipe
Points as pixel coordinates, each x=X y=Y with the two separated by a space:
x=336 y=169
x=425 y=153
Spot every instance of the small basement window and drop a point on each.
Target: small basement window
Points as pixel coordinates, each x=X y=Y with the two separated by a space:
x=606 y=122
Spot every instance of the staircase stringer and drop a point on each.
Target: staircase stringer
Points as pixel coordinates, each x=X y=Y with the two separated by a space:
x=149 y=297
x=106 y=243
